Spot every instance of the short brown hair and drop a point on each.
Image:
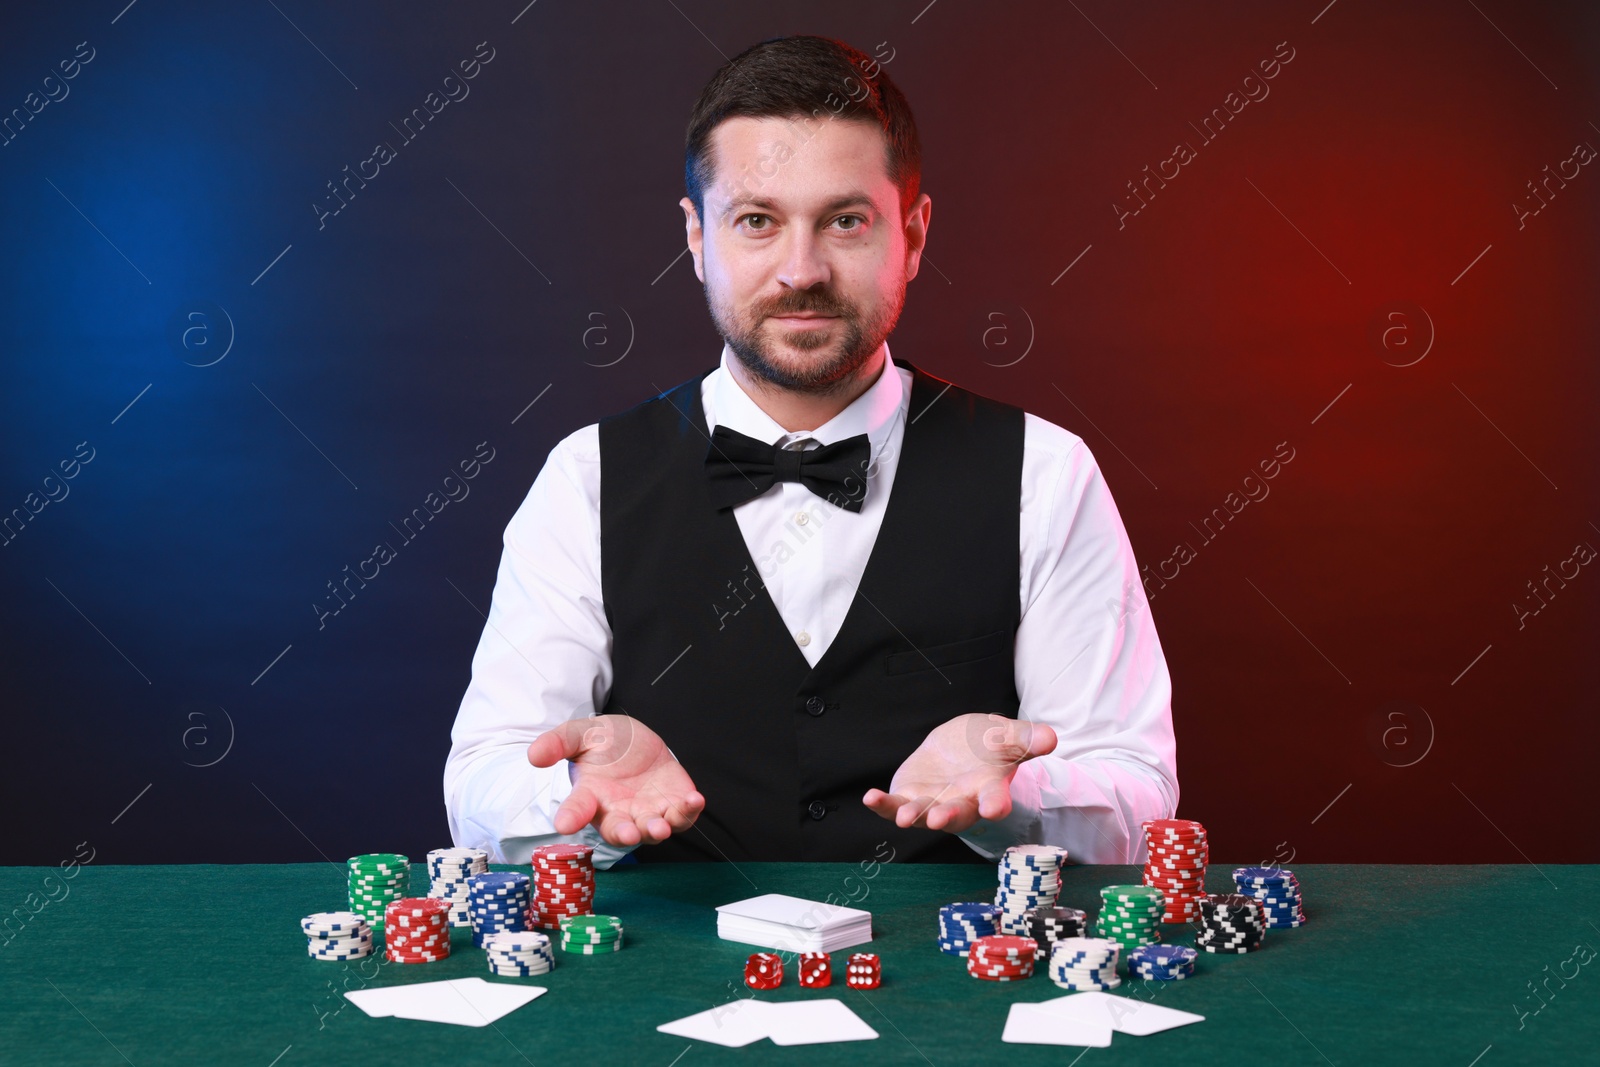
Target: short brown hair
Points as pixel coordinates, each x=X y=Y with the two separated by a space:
x=810 y=77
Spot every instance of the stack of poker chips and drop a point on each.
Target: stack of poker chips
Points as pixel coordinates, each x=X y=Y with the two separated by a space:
x=497 y=903
x=1049 y=925
x=863 y=971
x=1176 y=865
x=962 y=924
x=816 y=970
x=1130 y=914
x=1230 y=922
x=1030 y=877
x=416 y=930
x=763 y=970
x=1162 y=963
x=337 y=935
x=1001 y=958
x=1083 y=963
x=377 y=879
x=448 y=871
x=563 y=884
x=520 y=955
x=1278 y=891
x=591 y=935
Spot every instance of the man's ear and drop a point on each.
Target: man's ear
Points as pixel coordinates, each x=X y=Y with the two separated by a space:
x=916 y=233
x=695 y=234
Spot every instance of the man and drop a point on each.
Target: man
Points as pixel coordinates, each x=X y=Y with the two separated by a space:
x=726 y=618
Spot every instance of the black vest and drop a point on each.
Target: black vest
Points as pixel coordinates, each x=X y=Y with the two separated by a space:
x=783 y=751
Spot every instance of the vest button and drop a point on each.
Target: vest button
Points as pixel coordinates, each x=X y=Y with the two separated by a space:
x=818 y=810
x=815 y=706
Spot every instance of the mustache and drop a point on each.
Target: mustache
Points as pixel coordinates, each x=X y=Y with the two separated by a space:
x=801 y=303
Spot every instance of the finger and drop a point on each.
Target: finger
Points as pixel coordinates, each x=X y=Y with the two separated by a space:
x=1040 y=739
x=953 y=815
x=577 y=810
x=911 y=812
x=653 y=829
x=994 y=800
x=881 y=803
x=618 y=829
x=1008 y=742
x=682 y=816
x=563 y=742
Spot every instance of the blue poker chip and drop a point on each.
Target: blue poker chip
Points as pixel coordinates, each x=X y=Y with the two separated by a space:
x=1162 y=954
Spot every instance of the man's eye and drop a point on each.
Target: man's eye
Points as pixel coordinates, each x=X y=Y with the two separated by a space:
x=751 y=221
x=850 y=222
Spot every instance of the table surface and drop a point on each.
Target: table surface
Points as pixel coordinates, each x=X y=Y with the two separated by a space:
x=207 y=965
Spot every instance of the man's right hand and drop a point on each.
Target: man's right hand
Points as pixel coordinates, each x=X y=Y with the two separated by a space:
x=626 y=782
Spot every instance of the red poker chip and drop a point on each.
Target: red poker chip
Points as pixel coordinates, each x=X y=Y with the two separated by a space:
x=1005 y=945
x=563 y=851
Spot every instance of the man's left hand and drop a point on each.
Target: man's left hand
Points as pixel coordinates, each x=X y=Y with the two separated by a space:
x=961 y=773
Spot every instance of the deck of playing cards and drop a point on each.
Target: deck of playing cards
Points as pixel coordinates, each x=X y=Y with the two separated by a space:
x=792 y=924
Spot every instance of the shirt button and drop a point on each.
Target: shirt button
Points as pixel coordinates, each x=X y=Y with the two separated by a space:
x=801 y=518
x=802 y=639
x=815 y=706
x=818 y=810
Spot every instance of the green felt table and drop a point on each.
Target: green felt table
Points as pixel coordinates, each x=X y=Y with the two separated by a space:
x=206 y=965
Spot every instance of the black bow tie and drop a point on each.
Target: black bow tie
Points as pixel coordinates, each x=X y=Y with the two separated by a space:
x=741 y=468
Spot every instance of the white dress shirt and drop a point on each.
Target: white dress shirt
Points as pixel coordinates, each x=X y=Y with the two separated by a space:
x=1087 y=658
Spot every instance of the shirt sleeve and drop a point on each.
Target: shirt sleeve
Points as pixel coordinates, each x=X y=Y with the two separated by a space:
x=1088 y=663
x=544 y=657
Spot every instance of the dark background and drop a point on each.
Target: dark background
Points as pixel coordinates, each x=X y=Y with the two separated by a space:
x=1351 y=679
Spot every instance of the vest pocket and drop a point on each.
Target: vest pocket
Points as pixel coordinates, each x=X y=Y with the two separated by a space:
x=931 y=656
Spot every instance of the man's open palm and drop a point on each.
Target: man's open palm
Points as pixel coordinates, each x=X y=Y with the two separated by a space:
x=626 y=783
x=961 y=773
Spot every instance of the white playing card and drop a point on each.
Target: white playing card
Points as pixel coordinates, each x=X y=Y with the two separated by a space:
x=1125 y=1015
x=813 y=1022
x=733 y=1025
x=1041 y=1024
x=460 y=1001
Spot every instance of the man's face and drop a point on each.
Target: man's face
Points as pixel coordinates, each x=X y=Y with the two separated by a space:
x=802 y=250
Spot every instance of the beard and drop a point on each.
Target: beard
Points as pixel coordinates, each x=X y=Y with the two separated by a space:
x=806 y=361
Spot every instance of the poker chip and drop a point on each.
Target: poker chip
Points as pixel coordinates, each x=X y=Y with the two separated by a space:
x=864 y=970
x=1177 y=853
x=1001 y=958
x=591 y=935
x=448 y=871
x=562 y=885
x=1162 y=963
x=1231 y=922
x=1130 y=914
x=1048 y=925
x=963 y=923
x=1084 y=963
x=1030 y=877
x=336 y=935
x=816 y=970
x=416 y=930
x=1278 y=892
x=519 y=955
x=374 y=880
x=764 y=970
x=497 y=902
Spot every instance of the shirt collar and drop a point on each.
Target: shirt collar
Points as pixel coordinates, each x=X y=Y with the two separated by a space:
x=872 y=413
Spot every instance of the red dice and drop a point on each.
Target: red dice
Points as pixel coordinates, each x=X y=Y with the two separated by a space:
x=764 y=970
x=863 y=971
x=816 y=970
